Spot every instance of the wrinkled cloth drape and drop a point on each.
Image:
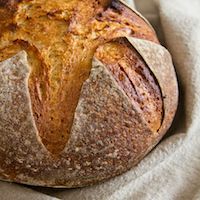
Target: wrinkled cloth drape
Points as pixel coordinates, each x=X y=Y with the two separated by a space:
x=172 y=170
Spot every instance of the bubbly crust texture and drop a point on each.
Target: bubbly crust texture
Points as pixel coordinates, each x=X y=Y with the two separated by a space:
x=84 y=91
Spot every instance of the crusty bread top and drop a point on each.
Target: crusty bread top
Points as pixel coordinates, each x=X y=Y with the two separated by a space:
x=115 y=135
x=115 y=109
x=61 y=38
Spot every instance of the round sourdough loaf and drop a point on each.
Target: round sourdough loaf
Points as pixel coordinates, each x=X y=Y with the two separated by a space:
x=86 y=91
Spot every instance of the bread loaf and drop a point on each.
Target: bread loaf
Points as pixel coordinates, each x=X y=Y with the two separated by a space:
x=86 y=91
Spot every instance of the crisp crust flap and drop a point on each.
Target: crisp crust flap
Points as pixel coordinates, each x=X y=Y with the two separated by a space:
x=160 y=63
x=107 y=132
x=20 y=145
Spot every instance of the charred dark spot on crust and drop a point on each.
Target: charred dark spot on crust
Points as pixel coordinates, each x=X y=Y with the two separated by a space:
x=116 y=7
x=10 y=4
x=3 y=3
x=12 y=27
x=104 y=3
x=23 y=43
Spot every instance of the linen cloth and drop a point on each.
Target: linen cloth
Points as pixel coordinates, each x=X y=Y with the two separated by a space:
x=172 y=170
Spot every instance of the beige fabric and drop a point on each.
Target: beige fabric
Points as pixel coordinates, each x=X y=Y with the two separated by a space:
x=172 y=170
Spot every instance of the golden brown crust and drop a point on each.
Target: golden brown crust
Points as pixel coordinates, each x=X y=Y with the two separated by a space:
x=135 y=78
x=77 y=111
x=56 y=63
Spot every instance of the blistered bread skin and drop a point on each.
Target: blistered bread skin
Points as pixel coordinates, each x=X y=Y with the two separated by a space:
x=84 y=91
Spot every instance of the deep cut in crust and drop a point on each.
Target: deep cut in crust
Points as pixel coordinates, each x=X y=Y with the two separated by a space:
x=84 y=91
